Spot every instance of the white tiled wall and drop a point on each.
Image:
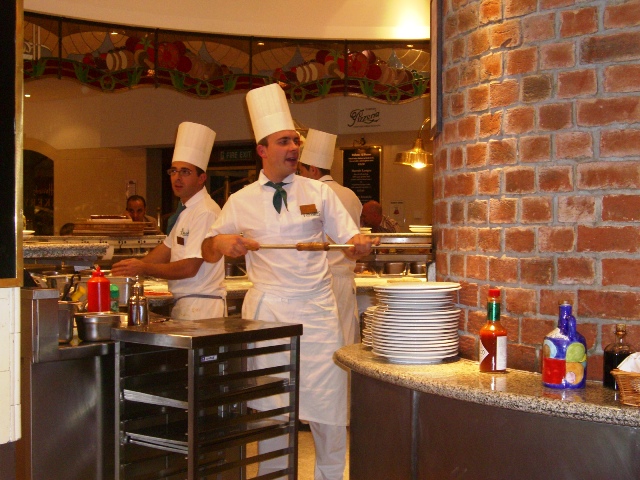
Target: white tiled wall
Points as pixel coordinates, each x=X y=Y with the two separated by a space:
x=9 y=364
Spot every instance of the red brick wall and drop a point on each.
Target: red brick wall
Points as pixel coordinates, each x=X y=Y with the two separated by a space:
x=537 y=168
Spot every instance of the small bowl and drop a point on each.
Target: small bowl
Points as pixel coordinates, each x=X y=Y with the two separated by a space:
x=96 y=326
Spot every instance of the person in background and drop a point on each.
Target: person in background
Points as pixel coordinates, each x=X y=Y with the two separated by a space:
x=67 y=229
x=137 y=209
x=315 y=162
x=291 y=285
x=373 y=218
x=196 y=285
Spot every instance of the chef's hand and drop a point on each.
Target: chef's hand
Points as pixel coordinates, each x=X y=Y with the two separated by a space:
x=361 y=246
x=128 y=268
x=213 y=248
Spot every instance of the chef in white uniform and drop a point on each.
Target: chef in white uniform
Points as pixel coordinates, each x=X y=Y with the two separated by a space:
x=289 y=285
x=315 y=162
x=196 y=285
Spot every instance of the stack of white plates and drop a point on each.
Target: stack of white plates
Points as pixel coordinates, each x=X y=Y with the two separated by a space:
x=420 y=228
x=367 y=320
x=415 y=323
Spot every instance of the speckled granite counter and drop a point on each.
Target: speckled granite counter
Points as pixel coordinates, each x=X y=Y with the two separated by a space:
x=33 y=250
x=516 y=390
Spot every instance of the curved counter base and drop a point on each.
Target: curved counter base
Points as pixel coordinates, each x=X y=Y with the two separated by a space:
x=450 y=421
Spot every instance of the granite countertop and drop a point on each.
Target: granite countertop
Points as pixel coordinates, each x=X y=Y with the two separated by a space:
x=515 y=389
x=61 y=250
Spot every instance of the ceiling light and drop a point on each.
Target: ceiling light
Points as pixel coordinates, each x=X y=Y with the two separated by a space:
x=417 y=157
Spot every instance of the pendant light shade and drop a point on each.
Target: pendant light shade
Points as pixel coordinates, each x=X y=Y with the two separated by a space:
x=417 y=157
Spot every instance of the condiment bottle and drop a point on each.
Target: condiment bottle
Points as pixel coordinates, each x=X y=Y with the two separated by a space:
x=115 y=298
x=138 y=307
x=614 y=354
x=98 y=292
x=564 y=353
x=493 y=337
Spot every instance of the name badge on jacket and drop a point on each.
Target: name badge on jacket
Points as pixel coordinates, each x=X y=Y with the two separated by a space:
x=308 y=209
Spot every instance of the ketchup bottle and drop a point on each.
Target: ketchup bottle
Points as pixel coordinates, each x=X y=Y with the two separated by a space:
x=493 y=337
x=98 y=292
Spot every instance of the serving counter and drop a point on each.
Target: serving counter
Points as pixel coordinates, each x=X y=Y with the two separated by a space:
x=449 y=420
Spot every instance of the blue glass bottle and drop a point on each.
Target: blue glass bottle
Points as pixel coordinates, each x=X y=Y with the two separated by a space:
x=564 y=353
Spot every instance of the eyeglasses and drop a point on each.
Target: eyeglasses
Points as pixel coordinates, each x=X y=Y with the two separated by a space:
x=183 y=172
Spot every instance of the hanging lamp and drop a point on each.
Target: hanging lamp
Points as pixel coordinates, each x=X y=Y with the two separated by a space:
x=417 y=157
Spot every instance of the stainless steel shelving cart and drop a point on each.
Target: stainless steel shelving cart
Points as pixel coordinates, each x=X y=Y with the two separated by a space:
x=183 y=389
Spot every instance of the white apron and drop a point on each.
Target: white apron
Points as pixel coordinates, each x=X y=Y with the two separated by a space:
x=194 y=308
x=344 y=289
x=323 y=384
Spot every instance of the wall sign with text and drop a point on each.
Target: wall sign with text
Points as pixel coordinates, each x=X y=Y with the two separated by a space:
x=361 y=171
x=364 y=118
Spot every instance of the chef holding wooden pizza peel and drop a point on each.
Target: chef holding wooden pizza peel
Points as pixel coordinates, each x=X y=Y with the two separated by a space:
x=292 y=285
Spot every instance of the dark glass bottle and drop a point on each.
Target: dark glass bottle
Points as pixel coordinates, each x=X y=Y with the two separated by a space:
x=614 y=354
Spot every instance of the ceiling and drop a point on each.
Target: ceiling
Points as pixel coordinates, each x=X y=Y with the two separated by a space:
x=316 y=19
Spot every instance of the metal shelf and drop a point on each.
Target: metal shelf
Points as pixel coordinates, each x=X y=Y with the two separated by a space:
x=183 y=389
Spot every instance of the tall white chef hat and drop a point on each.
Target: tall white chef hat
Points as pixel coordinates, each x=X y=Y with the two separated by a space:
x=269 y=111
x=318 y=149
x=193 y=144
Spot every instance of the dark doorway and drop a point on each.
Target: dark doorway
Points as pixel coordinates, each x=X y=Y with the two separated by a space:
x=38 y=192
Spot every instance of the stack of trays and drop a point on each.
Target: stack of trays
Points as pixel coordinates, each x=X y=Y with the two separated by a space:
x=415 y=323
x=109 y=225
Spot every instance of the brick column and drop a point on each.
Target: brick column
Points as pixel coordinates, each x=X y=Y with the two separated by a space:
x=537 y=168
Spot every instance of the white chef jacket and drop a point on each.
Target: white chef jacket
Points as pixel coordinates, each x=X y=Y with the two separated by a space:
x=294 y=286
x=342 y=268
x=185 y=241
x=338 y=262
x=313 y=211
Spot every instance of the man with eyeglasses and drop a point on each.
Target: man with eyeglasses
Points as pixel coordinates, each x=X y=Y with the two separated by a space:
x=196 y=285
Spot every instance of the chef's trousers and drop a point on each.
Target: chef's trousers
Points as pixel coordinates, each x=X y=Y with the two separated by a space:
x=331 y=452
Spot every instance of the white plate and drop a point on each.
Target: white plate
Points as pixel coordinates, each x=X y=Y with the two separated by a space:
x=437 y=341
x=415 y=352
x=413 y=360
x=391 y=312
x=429 y=295
x=422 y=330
x=440 y=286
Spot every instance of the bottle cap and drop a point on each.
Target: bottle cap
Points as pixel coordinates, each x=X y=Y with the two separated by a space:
x=115 y=291
x=494 y=292
x=97 y=272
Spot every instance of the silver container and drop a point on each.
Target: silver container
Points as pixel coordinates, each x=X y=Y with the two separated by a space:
x=418 y=268
x=66 y=314
x=395 y=268
x=96 y=326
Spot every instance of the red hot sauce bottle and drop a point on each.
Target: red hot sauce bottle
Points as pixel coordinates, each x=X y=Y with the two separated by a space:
x=493 y=337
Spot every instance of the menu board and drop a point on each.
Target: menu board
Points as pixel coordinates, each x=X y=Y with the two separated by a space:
x=361 y=171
